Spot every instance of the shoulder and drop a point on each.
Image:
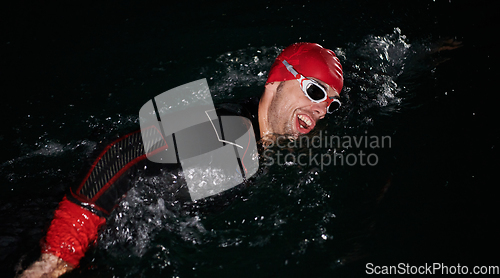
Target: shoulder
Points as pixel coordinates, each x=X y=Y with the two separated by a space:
x=247 y=108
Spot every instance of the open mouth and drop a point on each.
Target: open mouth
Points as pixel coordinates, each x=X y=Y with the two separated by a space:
x=304 y=123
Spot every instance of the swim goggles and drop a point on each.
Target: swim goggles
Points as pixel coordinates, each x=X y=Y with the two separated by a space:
x=313 y=90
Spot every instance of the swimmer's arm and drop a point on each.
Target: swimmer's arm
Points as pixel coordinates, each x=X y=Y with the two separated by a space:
x=69 y=236
x=47 y=265
x=75 y=226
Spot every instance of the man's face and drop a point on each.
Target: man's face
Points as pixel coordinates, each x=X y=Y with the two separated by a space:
x=292 y=113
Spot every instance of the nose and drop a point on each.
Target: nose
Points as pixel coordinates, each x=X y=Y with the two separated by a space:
x=320 y=108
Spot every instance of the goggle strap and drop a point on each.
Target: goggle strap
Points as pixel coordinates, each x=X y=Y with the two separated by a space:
x=329 y=101
x=290 y=68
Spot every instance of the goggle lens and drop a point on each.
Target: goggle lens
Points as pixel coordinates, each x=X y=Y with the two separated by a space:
x=334 y=106
x=315 y=92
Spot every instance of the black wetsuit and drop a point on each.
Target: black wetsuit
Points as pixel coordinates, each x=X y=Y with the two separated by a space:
x=111 y=173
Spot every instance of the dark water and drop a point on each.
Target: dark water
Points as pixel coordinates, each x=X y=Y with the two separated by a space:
x=77 y=74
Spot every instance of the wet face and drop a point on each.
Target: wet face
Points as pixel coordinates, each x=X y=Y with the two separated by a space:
x=290 y=112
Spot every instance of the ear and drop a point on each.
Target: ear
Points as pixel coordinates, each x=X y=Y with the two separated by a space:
x=269 y=93
x=271 y=87
x=270 y=90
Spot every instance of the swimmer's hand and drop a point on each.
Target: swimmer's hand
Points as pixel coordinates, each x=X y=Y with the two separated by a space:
x=48 y=266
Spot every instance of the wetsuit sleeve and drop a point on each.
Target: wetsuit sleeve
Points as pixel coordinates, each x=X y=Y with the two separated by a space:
x=84 y=209
x=106 y=182
x=71 y=231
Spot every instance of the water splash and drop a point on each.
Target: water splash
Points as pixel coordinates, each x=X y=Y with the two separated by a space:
x=242 y=68
x=33 y=163
x=290 y=206
x=150 y=207
x=372 y=68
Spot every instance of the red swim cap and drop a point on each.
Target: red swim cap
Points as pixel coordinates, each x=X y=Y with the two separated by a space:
x=310 y=60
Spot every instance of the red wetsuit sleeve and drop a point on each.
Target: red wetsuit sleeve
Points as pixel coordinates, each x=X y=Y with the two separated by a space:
x=71 y=232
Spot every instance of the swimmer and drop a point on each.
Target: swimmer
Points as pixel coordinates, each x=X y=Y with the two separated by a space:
x=303 y=86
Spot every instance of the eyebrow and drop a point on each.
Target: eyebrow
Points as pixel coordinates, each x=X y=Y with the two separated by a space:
x=319 y=82
x=322 y=85
x=326 y=87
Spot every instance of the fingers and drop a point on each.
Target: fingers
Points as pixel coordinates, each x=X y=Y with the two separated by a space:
x=47 y=266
